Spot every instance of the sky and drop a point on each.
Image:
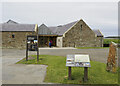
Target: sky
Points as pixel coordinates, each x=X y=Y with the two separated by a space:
x=98 y=15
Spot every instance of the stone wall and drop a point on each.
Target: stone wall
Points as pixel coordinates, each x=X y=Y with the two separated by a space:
x=99 y=41
x=80 y=35
x=15 y=39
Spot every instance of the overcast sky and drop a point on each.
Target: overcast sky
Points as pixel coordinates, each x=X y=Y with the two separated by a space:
x=98 y=15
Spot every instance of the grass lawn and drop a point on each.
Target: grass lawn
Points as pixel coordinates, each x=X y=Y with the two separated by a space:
x=108 y=41
x=57 y=72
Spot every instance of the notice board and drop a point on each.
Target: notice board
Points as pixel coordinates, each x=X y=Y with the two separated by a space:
x=78 y=60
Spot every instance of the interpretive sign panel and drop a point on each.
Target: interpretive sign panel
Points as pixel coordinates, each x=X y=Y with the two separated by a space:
x=70 y=60
x=78 y=60
x=32 y=45
x=82 y=58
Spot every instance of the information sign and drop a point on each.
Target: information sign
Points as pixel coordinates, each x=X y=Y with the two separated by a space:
x=78 y=60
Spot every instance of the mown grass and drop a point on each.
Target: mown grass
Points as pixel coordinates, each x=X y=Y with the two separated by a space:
x=57 y=72
x=108 y=41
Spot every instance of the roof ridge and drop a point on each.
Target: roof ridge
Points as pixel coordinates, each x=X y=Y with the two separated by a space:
x=60 y=30
x=17 y=27
x=63 y=24
x=97 y=32
x=11 y=21
x=44 y=29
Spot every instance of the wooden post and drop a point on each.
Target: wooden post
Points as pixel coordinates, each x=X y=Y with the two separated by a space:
x=37 y=49
x=26 y=50
x=85 y=74
x=69 y=73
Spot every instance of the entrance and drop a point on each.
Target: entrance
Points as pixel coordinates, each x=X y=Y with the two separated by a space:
x=44 y=41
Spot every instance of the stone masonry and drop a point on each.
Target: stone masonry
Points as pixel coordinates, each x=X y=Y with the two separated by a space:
x=19 y=40
x=80 y=35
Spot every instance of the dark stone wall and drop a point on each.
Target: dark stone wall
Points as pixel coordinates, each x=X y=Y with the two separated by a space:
x=99 y=41
x=19 y=40
x=80 y=35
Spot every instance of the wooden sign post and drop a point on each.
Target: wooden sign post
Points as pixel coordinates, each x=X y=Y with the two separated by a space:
x=26 y=50
x=37 y=49
x=78 y=60
x=32 y=45
x=69 y=73
x=85 y=74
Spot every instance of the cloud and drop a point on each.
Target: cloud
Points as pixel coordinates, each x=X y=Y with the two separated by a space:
x=101 y=15
x=0 y=12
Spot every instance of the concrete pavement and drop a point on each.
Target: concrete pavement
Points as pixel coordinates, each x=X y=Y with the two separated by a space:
x=20 y=73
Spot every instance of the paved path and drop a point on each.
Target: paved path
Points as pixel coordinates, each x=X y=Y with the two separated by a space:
x=34 y=74
x=20 y=73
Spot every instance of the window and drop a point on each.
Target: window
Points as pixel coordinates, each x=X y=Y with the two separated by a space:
x=13 y=36
x=80 y=27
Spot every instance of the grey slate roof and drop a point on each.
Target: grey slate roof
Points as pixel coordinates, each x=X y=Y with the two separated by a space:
x=97 y=32
x=44 y=30
x=60 y=30
x=11 y=25
x=17 y=27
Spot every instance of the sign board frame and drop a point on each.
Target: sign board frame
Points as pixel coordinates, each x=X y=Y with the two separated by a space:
x=32 y=38
x=81 y=59
x=77 y=60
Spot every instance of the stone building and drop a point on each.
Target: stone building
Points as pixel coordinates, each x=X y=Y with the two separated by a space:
x=46 y=35
x=75 y=34
x=14 y=34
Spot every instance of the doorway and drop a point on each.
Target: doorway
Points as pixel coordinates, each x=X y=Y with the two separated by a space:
x=44 y=41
